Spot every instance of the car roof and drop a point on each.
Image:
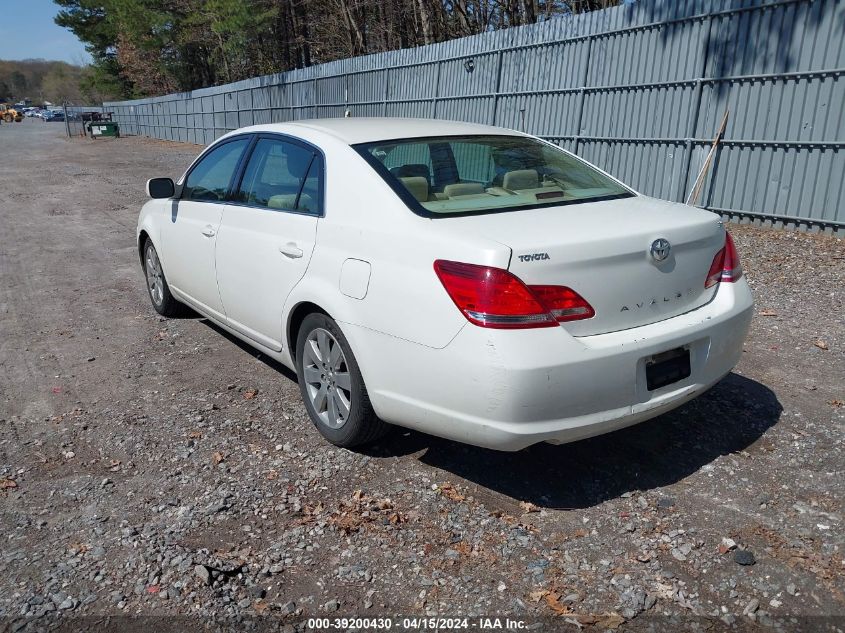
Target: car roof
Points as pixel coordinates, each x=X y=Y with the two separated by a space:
x=356 y=130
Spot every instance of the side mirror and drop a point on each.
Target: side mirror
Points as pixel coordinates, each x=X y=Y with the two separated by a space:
x=160 y=188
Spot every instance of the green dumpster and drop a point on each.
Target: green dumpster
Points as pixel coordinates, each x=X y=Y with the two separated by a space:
x=103 y=128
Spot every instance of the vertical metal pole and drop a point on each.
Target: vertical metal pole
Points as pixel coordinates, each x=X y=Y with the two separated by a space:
x=436 y=89
x=386 y=91
x=67 y=121
x=316 y=110
x=495 y=112
x=695 y=113
x=579 y=116
x=252 y=102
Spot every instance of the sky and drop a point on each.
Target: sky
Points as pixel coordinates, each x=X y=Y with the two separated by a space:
x=27 y=31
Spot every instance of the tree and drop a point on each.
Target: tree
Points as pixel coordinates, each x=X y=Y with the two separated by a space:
x=143 y=47
x=62 y=85
x=19 y=83
x=40 y=80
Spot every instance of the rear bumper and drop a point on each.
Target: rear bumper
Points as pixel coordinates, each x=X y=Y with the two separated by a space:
x=508 y=389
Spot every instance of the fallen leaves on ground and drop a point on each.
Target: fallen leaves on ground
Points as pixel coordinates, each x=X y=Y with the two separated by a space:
x=352 y=516
x=512 y=521
x=7 y=483
x=313 y=511
x=217 y=457
x=552 y=600
x=249 y=394
x=605 y=621
x=768 y=313
x=554 y=603
x=448 y=490
x=527 y=507
x=821 y=344
x=538 y=594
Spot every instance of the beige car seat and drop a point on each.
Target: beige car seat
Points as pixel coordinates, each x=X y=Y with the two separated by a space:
x=287 y=202
x=417 y=186
x=521 y=179
x=463 y=189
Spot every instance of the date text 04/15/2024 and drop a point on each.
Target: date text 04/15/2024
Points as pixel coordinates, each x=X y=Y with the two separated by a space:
x=418 y=624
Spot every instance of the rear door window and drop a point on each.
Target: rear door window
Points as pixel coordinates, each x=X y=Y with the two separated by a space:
x=283 y=176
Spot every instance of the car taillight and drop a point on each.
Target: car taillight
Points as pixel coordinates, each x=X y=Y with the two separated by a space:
x=564 y=303
x=725 y=266
x=495 y=298
x=731 y=269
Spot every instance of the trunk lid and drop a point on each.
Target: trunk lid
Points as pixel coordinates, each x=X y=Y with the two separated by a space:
x=602 y=250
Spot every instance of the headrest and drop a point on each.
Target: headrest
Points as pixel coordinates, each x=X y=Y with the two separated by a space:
x=521 y=179
x=282 y=201
x=417 y=185
x=287 y=201
x=463 y=189
x=416 y=169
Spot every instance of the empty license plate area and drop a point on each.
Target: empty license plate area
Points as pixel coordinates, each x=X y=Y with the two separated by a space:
x=667 y=367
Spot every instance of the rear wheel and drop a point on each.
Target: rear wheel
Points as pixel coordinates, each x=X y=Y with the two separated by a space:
x=157 y=287
x=332 y=386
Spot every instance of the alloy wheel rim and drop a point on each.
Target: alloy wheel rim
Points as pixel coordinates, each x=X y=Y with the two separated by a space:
x=155 y=282
x=327 y=379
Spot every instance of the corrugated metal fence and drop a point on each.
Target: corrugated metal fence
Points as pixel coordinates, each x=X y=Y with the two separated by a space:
x=638 y=89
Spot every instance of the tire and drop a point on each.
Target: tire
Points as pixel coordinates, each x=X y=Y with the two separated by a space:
x=329 y=388
x=157 y=288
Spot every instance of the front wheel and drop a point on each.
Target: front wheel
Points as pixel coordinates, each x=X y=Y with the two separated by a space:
x=332 y=386
x=157 y=287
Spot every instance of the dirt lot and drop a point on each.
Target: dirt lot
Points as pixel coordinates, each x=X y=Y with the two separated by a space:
x=154 y=467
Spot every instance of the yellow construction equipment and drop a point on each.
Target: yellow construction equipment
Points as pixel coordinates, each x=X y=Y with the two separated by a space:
x=9 y=114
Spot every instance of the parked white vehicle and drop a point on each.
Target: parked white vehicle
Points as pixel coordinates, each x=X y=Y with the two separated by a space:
x=467 y=281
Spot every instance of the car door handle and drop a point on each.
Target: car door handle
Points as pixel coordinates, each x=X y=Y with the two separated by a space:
x=208 y=231
x=290 y=250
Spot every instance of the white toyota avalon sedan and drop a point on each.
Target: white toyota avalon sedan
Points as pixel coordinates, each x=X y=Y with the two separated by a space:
x=467 y=281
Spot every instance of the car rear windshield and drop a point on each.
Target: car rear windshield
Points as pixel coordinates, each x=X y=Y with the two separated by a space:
x=460 y=175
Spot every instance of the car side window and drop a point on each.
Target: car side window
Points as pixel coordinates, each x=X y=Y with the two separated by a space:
x=210 y=178
x=281 y=175
x=309 y=199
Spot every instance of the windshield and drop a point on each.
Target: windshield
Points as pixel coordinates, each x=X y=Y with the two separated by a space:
x=459 y=175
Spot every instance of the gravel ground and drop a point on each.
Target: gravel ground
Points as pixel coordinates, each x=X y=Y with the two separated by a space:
x=154 y=467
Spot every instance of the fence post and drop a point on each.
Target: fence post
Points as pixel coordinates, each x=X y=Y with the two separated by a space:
x=67 y=121
x=386 y=88
x=436 y=89
x=579 y=117
x=695 y=113
x=316 y=109
x=498 y=87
